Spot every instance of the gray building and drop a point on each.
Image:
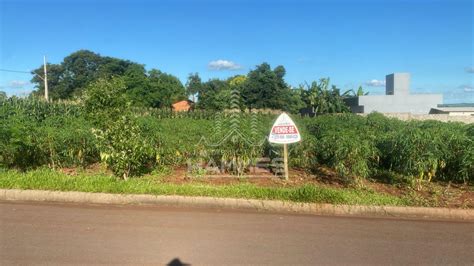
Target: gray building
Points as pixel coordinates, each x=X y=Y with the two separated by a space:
x=397 y=98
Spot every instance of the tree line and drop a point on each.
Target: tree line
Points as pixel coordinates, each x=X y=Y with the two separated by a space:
x=263 y=87
x=68 y=79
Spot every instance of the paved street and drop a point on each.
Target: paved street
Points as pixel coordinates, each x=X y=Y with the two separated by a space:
x=32 y=233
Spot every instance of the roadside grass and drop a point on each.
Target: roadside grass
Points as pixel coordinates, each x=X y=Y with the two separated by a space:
x=46 y=179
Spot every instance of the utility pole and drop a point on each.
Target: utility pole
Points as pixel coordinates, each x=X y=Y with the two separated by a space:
x=46 y=96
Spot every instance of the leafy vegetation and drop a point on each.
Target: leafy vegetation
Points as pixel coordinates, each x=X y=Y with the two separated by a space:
x=124 y=148
x=132 y=141
x=419 y=150
x=322 y=100
x=118 y=114
x=70 y=78
x=262 y=88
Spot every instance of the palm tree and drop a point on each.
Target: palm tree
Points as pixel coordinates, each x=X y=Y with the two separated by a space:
x=352 y=93
x=323 y=100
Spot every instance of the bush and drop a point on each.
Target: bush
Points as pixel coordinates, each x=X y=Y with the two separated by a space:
x=350 y=154
x=344 y=143
x=428 y=150
x=68 y=141
x=124 y=148
x=19 y=144
x=105 y=100
x=178 y=138
x=415 y=153
x=420 y=150
x=467 y=163
x=303 y=154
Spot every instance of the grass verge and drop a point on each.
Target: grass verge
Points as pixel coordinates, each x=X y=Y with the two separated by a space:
x=46 y=179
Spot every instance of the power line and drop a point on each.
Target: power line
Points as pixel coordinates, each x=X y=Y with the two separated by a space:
x=45 y=78
x=15 y=71
x=19 y=71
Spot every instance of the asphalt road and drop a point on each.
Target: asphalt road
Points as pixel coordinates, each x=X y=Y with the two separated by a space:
x=32 y=233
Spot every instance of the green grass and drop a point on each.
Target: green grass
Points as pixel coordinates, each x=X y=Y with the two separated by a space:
x=46 y=179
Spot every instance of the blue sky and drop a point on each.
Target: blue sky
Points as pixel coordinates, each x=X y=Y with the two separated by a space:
x=352 y=42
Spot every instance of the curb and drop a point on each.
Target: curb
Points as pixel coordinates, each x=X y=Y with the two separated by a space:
x=243 y=204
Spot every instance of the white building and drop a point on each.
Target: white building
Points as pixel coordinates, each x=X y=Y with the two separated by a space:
x=397 y=98
x=454 y=110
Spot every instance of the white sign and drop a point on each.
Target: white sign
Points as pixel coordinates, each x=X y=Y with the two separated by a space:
x=284 y=131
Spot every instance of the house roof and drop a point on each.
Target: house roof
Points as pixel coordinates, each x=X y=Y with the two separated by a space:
x=189 y=101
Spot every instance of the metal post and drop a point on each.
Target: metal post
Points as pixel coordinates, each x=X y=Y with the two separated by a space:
x=46 y=95
x=285 y=160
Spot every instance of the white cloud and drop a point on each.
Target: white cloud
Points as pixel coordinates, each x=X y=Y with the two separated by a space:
x=375 y=83
x=469 y=69
x=467 y=88
x=223 y=65
x=17 y=83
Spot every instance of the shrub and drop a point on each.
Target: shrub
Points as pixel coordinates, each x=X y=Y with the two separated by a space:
x=420 y=150
x=303 y=154
x=234 y=143
x=467 y=163
x=105 y=100
x=68 y=141
x=428 y=150
x=415 y=153
x=124 y=148
x=34 y=132
x=350 y=154
x=19 y=147
x=178 y=138
x=344 y=143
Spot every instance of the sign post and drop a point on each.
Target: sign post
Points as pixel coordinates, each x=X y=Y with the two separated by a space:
x=285 y=160
x=284 y=131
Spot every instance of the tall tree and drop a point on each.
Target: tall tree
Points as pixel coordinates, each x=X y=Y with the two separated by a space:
x=70 y=77
x=80 y=69
x=214 y=95
x=111 y=66
x=193 y=85
x=59 y=86
x=138 y=85
x=294 y=100
x=165 y=89
x=265 y=88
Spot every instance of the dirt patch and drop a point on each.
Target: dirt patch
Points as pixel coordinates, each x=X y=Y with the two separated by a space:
x=431 y=194
x=260 y=177
x=450 y=195
x=394 y=190
x=68 y=171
